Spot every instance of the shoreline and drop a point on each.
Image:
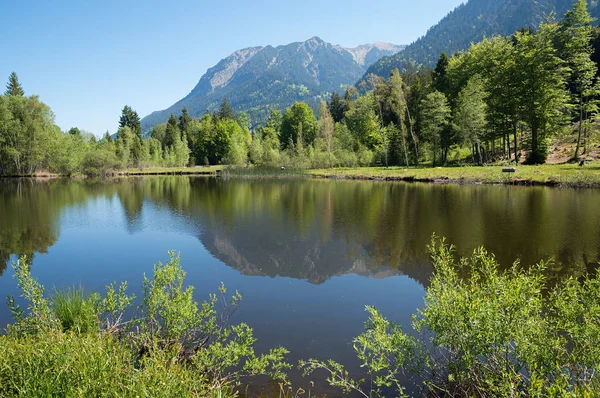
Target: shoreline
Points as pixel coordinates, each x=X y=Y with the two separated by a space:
x=558 y=176
x=447 y=180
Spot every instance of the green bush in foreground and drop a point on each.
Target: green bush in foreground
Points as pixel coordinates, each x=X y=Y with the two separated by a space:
x=484 y=333
x=74 y=344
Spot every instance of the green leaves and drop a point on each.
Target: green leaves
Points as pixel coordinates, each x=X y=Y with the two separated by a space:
x=79 y=344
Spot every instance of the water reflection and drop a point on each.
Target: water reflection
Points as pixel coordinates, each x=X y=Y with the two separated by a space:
x=313 y=230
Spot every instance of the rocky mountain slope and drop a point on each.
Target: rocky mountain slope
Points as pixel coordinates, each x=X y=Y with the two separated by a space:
x=258 y=79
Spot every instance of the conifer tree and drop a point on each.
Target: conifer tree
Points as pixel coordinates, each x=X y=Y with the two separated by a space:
x=13 y=87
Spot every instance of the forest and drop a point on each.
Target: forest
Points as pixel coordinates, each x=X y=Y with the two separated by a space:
x=504 y=99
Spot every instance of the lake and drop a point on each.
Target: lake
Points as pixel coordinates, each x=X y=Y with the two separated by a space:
x=306 y=255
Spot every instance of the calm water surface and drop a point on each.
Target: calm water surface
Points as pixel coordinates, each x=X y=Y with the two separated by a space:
x=307 y=255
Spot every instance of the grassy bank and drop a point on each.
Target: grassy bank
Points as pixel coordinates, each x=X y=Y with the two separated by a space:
x=196 y=170
x=567 y=175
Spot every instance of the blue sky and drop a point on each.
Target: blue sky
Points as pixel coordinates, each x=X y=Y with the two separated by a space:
x=86 y=59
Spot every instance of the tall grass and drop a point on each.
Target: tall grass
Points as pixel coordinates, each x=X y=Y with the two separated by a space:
x=75 y=309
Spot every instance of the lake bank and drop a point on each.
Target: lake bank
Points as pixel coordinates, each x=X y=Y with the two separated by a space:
x=564 y=175
x=555 y=175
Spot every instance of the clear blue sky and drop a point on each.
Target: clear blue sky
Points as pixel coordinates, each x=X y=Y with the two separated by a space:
x=86 y=59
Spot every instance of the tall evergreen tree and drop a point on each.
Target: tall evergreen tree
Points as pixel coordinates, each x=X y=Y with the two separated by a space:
x=184 y=121
x=172 y=133
x=225 y=110
x=130 y=118
x=440 y=75
x=13 y=87
x=337 y=107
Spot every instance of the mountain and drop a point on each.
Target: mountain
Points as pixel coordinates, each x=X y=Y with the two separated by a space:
x=471 y=22
x=258 y=79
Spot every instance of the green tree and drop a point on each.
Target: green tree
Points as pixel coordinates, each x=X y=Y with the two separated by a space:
x=542 y=86
x=337 y=107
x=125 y=140
x=577 y=34
x=75 y=131
x=298 y=114
x=172 y=132
x=470 y=116
x=27 y=134
x=440 y=75
x=326 y=128
x=13 y=87
x=435 y=112
x=130 y=118
x=225 y=110
x=363 y=122
x=184 y=121
x=399 y=107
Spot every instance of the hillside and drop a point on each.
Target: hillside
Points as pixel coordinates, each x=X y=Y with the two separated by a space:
x=258 y=79
x=471 y=22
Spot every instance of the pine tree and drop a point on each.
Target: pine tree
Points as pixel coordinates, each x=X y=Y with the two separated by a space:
x=337 y=107
x=172 y=133
x=13 y=87
x=440 y=75
x=225 y=110
x=184 y=121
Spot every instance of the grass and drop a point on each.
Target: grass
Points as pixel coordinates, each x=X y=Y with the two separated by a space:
x=75 y=309
x=570 y=175
x=171 y=170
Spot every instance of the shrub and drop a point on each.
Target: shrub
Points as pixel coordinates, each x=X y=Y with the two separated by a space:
x=99 y=163
x=484 y=332
x=78 y=345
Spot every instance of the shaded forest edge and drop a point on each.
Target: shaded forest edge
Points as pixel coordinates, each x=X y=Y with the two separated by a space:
x=473 y=337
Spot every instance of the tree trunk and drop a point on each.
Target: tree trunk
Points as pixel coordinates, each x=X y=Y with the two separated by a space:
x=412 y=134
x=404 y=145
x=507 y=139
x=515 y=136
x=576 y=155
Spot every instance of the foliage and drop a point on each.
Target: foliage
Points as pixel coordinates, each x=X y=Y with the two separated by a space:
x=485 y=332
x=75 y=309
x=13 y=87
x=298 y=118
x=78 y=344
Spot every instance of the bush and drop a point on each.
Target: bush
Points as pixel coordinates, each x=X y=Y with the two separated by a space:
x=484 y=332
x=99 y=163
x=78 y=345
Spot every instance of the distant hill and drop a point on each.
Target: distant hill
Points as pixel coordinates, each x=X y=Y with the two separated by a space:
x=471 y=22
x=258 y=79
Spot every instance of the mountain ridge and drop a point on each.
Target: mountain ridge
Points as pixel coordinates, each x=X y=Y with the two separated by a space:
x=469 y=23
x=258 y=79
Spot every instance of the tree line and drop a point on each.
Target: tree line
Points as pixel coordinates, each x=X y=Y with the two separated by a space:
x=503 y=98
